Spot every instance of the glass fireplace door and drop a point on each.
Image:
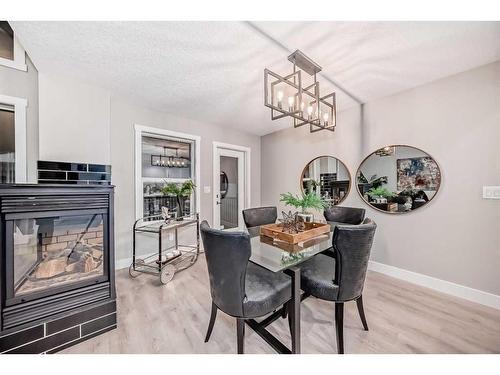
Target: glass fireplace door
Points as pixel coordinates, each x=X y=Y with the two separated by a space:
x=51 y=253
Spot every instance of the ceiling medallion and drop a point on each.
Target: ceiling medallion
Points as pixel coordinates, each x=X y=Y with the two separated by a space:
x=291 y=96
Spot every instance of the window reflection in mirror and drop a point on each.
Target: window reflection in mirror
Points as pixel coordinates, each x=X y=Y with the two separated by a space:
x=328 y=177
x=398 y=179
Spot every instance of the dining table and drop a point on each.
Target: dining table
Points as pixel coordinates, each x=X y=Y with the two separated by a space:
x=279 y=256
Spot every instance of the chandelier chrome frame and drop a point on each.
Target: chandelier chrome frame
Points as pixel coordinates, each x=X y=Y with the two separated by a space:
x=321 y=112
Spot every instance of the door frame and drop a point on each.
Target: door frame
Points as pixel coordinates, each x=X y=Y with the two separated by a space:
x=216 y=178
x=20 y=132
x=141 y=130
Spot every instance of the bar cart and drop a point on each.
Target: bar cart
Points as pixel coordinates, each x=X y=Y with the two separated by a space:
x=165 y=262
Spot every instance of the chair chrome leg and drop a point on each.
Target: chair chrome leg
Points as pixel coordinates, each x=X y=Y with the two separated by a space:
x=361 y=311
x=240 y=332
x=339 y=326
x=213 y=315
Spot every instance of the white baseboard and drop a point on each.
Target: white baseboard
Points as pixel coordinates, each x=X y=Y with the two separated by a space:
x=457 y=290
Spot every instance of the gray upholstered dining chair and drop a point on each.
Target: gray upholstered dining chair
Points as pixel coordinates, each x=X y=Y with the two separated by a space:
x=255 y=217
x=347 y=215
x=238 y=287
x=340 y=276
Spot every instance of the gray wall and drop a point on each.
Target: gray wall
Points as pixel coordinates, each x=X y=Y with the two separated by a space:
x=124 y=114
x=21 y=84
x=456 y=120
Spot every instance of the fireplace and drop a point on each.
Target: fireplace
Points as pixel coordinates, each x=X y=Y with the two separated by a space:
x=56 y=265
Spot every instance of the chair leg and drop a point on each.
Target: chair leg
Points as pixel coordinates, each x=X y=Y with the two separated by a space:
x=213 y=315
x=240 y=332
x=361 y=311
x=339 y=326
x=289 y=309
x=284 y=313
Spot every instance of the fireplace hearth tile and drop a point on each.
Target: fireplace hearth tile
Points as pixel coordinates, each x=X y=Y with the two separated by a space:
x=79 y=318
x=98 y=324
x=72 y=343
x=19 y=338
x=47 y=343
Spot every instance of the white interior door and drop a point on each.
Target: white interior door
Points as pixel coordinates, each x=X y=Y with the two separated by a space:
x=229 y=187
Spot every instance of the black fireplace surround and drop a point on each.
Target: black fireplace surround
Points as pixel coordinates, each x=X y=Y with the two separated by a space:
x=57 y=283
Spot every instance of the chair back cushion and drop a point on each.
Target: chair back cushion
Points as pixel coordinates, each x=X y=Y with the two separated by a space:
x=348 y=215
x=227 y=255
x=255 y=217
x=352 y=245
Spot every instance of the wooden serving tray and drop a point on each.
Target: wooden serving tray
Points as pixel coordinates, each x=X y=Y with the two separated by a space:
x=312 y=230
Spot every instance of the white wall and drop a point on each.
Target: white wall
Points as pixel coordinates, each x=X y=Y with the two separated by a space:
x=74 y=121
x=455 y=237
x=287 y=152
x=84 y=123
x=24 y=85
x=124 y=114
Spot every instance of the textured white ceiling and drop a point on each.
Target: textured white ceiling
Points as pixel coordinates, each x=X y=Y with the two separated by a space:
x=213 y=71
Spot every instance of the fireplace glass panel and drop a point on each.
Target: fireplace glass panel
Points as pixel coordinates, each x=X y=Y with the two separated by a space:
x=55 y=251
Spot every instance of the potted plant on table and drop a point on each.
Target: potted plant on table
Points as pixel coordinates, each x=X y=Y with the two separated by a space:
x=307 y=201
x=181 y=192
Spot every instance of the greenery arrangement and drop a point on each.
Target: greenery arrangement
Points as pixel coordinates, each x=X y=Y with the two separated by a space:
x=180 y=191
x=380 y=192
x=307 y=201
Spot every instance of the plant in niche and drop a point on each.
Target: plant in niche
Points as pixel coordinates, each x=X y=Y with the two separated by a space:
x=307 y=201
x=180 y=191
x=312 y=185
x=380 y=192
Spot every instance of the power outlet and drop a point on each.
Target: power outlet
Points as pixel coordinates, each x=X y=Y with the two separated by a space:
x=491 y=192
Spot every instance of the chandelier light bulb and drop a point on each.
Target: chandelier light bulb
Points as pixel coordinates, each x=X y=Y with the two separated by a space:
x=325 y=118
x=309 y=111
x=290 y=102
x=280 y=98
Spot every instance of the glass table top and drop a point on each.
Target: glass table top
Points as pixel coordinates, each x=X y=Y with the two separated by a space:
x=278 y=255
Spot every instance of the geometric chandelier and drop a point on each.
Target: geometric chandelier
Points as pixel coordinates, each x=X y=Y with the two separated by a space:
x=291 y=96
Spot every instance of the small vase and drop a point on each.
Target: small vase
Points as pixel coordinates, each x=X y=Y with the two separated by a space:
x=308 y=218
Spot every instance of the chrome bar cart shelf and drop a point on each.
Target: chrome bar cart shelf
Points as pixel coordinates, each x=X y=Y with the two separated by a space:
x=165 y=262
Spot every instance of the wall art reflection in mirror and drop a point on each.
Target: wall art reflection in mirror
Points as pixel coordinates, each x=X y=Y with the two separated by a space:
x=398 y=179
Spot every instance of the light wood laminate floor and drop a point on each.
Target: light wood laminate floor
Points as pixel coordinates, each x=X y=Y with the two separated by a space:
x=402 y=317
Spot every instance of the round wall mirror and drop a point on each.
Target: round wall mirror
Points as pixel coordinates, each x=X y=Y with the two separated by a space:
x=224 y=184
x=398 y=179
x=328 y=177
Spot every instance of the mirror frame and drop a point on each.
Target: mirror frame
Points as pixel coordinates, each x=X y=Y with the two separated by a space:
x=327 y=156
x=397 y=145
